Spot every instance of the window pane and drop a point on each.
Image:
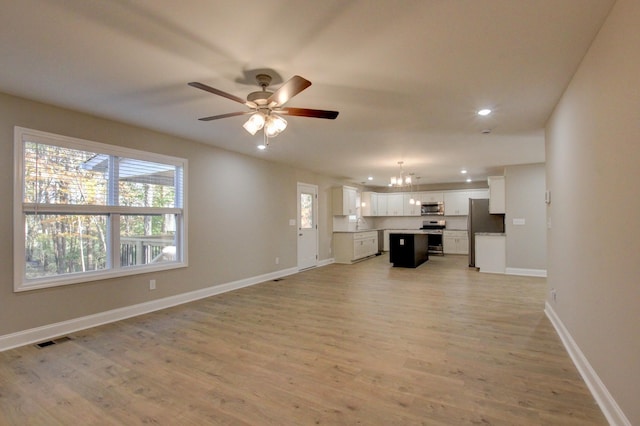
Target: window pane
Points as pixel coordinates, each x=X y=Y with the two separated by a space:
x=146 y=239
x=64 y=244
x=306 y=211
x=56 y=175
x=146 y=184
x=80 y=197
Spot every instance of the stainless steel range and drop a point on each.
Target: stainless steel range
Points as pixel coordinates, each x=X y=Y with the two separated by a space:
x=434 y=228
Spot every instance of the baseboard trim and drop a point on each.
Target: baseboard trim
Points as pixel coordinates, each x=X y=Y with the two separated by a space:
x=50 y=331
x=608 y=405
x=526 y=272
x=326 y=262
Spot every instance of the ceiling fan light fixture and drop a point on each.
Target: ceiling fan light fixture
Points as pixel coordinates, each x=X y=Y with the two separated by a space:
x=254 y=123
x=274 y=125
x=264 y=103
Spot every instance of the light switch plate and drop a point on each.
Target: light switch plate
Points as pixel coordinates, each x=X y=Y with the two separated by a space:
x=519 y=221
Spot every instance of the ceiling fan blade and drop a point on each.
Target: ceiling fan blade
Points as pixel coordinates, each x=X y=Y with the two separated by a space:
x=306 y=112
x=292 y=87
x=218 y=92
x=231 y=114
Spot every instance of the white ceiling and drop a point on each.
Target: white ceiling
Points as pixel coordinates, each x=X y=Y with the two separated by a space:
x=407 y=76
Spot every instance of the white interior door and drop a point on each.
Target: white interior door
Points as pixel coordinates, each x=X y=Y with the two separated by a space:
x=307 y=226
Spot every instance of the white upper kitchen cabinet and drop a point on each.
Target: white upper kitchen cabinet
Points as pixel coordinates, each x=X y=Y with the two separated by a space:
x=479 y=193
x=456 y=203
x=411 y=209
x=497 y=199
x=432 y=197
x=344 y=200
x=382 y=204
x=395 y=204
x=370 y=203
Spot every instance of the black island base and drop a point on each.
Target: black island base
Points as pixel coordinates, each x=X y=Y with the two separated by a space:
x=408 y=250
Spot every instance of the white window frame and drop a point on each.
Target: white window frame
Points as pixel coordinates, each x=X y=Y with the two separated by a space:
x=113 y=268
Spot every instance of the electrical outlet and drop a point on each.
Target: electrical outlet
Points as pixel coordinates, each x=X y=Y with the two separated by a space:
x=554 y=294
x=277 y=260
x=152 y=284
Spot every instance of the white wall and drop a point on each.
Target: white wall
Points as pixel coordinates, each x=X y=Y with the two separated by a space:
x=526 y=244
x=593 y=172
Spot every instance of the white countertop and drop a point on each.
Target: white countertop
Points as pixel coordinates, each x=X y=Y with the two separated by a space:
x=490 y=234
x=408 y=231
x=357 y=231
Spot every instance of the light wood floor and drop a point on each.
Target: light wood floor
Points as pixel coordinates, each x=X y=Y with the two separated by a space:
x=339 y=345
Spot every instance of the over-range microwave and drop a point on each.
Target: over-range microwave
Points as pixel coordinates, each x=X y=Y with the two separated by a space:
x=432 y=209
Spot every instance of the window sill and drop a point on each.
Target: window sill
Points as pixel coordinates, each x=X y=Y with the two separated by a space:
x=21 y=285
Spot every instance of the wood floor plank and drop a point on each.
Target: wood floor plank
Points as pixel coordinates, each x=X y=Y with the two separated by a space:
x=343 y=344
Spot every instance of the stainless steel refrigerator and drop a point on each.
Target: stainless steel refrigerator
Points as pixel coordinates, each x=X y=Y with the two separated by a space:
x=480 y=220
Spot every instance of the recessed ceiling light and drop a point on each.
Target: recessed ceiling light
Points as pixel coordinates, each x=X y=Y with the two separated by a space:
x=262 y=147
x=484 y=111
x=370 y=178
x=468 y=179
x=463 y=171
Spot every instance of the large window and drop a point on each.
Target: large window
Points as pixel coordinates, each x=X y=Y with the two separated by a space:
x=86 y=210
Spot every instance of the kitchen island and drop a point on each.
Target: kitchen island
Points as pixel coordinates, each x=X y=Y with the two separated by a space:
x=408 y=249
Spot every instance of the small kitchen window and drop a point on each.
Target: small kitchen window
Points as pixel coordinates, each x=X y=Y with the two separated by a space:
x=86 y=211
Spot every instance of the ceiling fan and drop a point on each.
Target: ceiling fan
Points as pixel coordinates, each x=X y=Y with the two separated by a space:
x=265 y=107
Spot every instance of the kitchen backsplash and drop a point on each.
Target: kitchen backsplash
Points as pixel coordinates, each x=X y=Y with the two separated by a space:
x=453 y=222
x=351 y=223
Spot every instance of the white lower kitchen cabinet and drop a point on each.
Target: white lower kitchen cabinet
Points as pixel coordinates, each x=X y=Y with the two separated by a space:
x=455 y=242
x=349 y=247
x=491 y=255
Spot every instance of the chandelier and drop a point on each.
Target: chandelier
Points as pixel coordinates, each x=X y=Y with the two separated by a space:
x=412 y=199
x=401 y=180
x=404 y=180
